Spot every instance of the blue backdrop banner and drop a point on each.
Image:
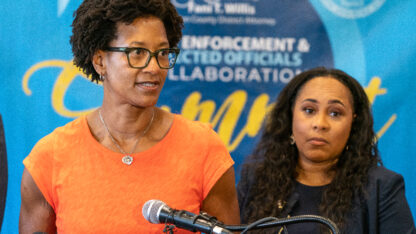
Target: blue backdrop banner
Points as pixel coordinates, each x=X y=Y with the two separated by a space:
x=235 y=58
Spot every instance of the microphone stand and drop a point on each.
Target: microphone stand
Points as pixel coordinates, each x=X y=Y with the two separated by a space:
x=274 y=222
x=266 y=222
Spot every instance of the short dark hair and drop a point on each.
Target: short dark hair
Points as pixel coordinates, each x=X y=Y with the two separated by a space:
x=94 y=26
x=274 y=159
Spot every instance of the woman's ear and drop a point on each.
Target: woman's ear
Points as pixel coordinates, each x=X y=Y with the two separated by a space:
x=98 y=62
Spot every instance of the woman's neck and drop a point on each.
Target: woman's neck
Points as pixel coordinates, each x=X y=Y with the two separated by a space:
x=315 y=174
x=127 y=122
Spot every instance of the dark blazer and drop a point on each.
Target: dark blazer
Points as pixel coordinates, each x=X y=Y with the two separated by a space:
x=384 y=211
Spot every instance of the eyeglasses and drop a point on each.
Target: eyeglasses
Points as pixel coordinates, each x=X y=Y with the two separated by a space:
x=140 y=57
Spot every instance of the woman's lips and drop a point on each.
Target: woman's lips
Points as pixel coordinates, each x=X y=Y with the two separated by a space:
x=317 y=141
x=148 y=85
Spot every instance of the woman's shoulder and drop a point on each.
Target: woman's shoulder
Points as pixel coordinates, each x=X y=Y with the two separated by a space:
x=58 y=137
x=382 y=174
x=248 y=171
x=386 y=204
x=180 y=119
x=386 y=182
x=194 y=128
x=69 y=128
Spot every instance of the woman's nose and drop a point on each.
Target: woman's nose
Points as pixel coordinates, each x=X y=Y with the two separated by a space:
x=321 y=122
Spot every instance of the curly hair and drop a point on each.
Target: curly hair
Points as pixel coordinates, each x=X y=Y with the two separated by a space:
x=274 y=160
x=94 y=26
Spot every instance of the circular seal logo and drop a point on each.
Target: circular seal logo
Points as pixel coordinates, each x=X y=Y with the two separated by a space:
x=353 y=9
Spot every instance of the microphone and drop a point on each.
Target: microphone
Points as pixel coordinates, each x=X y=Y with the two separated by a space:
x=156 y=211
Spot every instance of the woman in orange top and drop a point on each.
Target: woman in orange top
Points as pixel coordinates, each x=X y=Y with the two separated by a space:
x=94 y=174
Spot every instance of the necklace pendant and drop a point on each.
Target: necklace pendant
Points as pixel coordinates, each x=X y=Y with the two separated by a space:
x=127 y=159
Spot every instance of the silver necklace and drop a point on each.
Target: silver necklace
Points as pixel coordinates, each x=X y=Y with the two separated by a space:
x=127 y=158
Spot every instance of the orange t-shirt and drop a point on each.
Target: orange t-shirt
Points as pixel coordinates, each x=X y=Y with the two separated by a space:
x=92 y=191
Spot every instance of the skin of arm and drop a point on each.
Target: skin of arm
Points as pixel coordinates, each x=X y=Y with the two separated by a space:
x=221 y=201
x=36 y=214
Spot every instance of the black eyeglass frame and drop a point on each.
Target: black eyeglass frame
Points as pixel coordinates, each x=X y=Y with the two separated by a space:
x=127 y=51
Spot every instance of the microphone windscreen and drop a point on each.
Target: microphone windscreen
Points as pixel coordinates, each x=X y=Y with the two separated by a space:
x=151 y=210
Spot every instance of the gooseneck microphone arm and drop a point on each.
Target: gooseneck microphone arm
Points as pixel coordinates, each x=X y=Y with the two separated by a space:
x=269 y=222
x=156 y=211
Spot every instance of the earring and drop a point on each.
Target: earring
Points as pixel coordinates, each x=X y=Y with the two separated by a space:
x=347 y=148
x=280 y=204
x=102 y=78
x=292 y=139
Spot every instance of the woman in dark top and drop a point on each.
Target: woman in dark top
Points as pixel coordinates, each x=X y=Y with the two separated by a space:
x=317 y=155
